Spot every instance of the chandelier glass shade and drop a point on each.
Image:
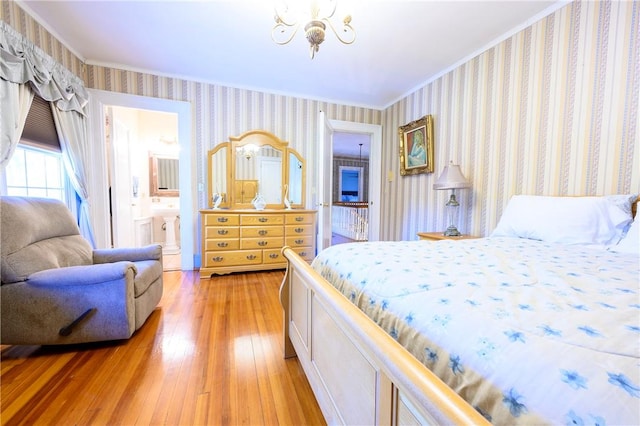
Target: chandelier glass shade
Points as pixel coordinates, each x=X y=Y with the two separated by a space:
x=289 y=18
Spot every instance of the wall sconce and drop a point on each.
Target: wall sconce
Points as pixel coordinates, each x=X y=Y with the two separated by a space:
x=452 y=178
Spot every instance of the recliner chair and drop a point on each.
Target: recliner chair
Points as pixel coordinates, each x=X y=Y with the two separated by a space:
x=57 y=290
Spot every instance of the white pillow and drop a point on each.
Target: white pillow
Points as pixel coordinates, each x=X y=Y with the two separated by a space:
x=569 y=220
x=631 y=242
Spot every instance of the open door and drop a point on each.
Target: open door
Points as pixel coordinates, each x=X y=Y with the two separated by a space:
x=325 y=184
x=120 y=183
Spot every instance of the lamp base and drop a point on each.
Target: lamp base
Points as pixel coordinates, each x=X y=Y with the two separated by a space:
x=452 y=231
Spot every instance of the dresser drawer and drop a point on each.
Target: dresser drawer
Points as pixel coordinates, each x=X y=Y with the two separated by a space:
x=221 y=244
x=221 y=232
x=300 y=218
x=261 y=231
x=261 y=243
x=273 y=256
x=292 y=230
x=261 y=219
x=307 y=253
x=213 y=219
x=232 y=258
x=299 y=241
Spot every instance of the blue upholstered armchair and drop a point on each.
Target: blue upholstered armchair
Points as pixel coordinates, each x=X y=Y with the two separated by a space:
x=57 y=290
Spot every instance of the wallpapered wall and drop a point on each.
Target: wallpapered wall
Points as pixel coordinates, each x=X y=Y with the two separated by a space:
x=551 y=110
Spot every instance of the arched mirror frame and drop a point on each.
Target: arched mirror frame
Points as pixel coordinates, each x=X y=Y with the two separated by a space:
x=258 y=138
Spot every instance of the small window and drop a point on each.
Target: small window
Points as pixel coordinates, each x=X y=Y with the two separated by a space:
x=34 y=172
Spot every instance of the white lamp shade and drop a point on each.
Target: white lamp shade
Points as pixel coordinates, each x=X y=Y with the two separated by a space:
x=452 y=178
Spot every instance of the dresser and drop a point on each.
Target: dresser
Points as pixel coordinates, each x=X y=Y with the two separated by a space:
x=238 y=240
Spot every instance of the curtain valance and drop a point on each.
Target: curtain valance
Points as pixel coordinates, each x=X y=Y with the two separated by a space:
x=23 y=62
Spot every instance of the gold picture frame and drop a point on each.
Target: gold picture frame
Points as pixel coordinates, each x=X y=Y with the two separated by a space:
x=416 y=146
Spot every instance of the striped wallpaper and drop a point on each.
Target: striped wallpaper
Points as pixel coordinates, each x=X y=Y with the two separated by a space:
x=551 y=110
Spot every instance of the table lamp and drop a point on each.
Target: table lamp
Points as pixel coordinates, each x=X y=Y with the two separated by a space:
x=452 y=178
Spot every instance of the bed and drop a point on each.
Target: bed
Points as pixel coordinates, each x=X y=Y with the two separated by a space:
x=537 y=324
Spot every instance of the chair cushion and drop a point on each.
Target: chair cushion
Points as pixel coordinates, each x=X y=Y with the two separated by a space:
x=148 y=272
x=57 y=252
x=38 y=234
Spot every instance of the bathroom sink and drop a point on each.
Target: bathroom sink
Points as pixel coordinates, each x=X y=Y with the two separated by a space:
x=164 y=210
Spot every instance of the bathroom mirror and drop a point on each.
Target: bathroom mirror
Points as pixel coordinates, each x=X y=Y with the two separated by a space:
x=163 y=176
x=256 y=162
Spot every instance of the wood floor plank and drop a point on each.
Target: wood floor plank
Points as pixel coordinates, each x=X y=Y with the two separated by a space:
x=210 y=354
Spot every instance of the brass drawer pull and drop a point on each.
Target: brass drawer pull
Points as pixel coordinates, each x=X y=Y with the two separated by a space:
x=299 y=241
x=251 y=257
x=217 y=259
x=263 y=232
x=299 y=219
x=223 y=244
x=274 y=255
x=223 y=219
x=263 y=219
x=299 y=230
x=222 y=232
x=262 y=243
x=302 y=253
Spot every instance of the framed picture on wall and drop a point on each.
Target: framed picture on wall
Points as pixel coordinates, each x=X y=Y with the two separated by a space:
x=416 y=146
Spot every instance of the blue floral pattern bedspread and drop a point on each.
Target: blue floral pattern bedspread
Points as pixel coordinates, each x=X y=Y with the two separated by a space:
x=525 y=331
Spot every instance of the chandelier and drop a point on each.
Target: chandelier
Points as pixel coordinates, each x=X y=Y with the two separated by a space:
x=290 y=18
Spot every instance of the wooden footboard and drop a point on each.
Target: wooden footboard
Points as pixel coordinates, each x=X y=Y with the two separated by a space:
x=358 y=373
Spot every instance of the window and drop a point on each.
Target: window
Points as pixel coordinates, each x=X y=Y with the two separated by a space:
x=36 y=172
x=36 y=168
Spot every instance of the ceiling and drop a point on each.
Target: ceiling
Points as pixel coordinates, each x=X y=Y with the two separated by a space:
x=400 y=45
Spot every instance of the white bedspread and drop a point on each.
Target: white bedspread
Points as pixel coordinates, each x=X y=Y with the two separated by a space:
x=527 y=332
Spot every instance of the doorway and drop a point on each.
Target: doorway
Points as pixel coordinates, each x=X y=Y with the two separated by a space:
x=100 y=102
x=330 y=131
x=142 y=151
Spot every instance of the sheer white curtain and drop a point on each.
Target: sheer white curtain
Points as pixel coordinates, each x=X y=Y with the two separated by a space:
x=24 y=69
x=15 y=101
x=72 y=133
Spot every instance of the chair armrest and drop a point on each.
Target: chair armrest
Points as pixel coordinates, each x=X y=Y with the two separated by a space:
x=150 y=252
x=82 y=275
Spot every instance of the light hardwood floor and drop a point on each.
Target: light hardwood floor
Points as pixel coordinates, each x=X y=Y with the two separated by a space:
x=211 y=354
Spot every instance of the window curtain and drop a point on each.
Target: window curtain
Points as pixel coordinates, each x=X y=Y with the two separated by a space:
x=15 y=101
x=72 y=133
x=24 y=66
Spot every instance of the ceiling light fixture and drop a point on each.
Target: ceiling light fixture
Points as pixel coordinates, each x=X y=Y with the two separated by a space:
x=289 y=18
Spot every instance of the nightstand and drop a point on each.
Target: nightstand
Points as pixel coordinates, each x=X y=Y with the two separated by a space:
x=435 y=236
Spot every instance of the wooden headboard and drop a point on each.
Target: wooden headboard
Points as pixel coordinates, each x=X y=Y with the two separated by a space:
x=634 y=207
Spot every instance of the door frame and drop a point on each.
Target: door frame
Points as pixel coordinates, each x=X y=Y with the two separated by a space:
x=375 y=171
x=99 y=201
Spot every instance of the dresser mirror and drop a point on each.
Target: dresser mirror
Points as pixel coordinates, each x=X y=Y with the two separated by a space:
x=219 y=169
x=256 y=162
x=295 y=182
